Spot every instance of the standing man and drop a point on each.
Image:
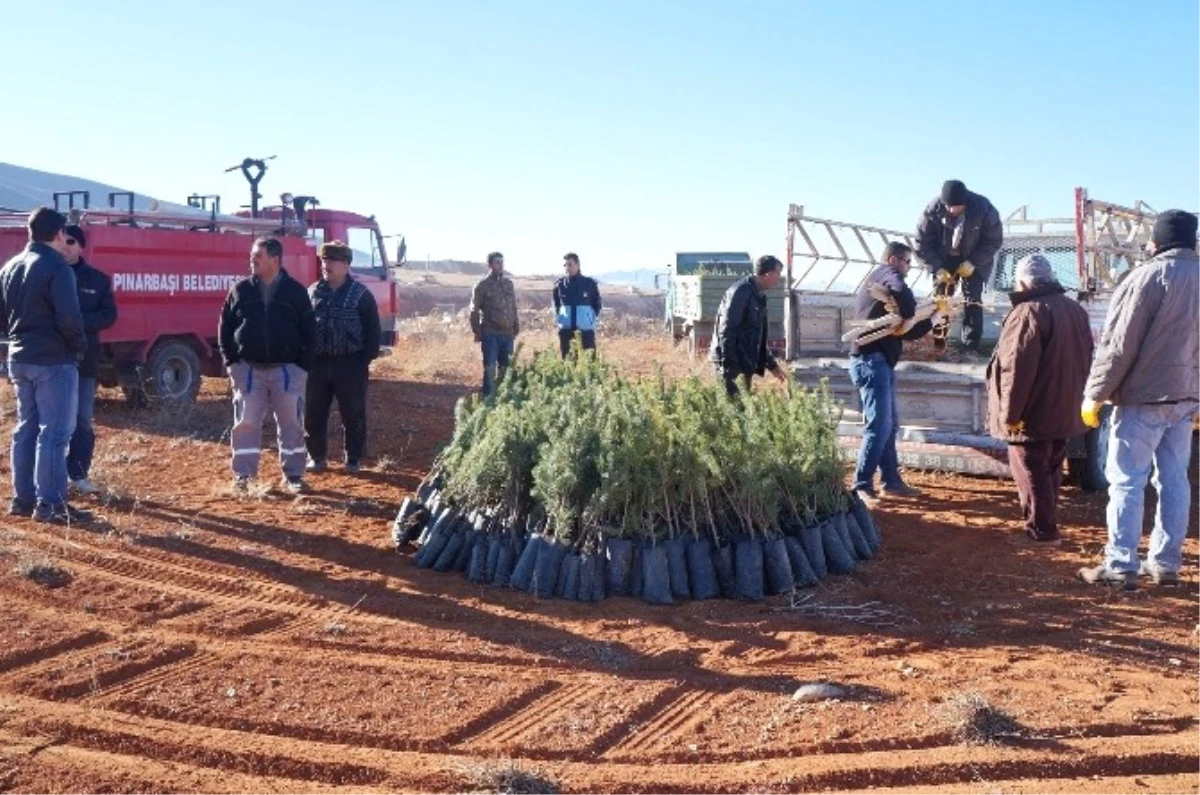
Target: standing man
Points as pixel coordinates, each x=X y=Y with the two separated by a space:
x=39 y=307
x=266 y=336
x=494 y=320
x=872 y=370
x=576 y=306
x=957 y=238
x=99 y=312
x=1148 y=366
x=348 y=336
x=739 y=344
x=1035 y=380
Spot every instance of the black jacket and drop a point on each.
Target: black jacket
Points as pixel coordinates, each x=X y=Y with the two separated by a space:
x=39 y=308
x=252 y=331
x=982 y=236
x=99 y=310
x=868 y=308
x=347 y=321
x=739 y=343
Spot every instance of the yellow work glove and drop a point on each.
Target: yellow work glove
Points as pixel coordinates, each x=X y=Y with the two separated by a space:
x=1090 y=412
x=1015 y=428
x=943 y=276
x=965 y=270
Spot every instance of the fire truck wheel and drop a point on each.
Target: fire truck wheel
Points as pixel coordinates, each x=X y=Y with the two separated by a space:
x=172 y=372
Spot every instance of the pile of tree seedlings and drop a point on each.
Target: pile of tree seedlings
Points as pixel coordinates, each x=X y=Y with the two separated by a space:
x=576 y=482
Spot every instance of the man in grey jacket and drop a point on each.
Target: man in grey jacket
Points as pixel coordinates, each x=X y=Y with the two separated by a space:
x=1148 y=366
x=958 y=237
x=39 y=310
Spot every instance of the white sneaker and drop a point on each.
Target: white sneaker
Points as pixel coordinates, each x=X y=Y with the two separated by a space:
x=84 y=486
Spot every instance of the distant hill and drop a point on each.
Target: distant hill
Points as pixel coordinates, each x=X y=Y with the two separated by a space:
x=23 y=189
x=447 y=266
x=642 y=278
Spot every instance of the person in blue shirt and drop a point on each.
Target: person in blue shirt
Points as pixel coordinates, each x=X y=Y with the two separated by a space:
x=576 y=306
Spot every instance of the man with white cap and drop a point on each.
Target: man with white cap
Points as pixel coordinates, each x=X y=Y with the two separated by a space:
x=1148 y=367
x=1035 y=382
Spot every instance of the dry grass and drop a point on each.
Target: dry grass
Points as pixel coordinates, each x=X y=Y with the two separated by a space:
x=506 y=776
x=42 y=570
x=974 y=721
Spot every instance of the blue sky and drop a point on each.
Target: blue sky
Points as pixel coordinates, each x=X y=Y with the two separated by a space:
x=624 y=131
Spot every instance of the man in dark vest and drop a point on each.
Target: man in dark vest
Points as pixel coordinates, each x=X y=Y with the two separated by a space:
x=576 y=306
x=348 y=338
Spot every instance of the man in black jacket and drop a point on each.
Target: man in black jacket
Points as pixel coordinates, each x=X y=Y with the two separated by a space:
x=39 y=310
x=958 y=237
x=348 y=337
x=576 y=306
x=266 y=335
x=99 y=312
x=739 y=343
x=872 y=370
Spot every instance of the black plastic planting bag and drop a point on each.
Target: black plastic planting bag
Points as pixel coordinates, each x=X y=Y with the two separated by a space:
x=545 y=572
x=748 y=569
x=778 y=566
x=598 y=579
x=656 y=575
x=839 y=559
x=454 y=545
x=862 y=549
x=410 y=520
x=572 y=566
x=678 y=568
x=618 y=566
x=433 y=546
x=843 y=530
x=722 y=559
x=814 y=547
x=493 y=556
x=464 y=555
x=522 y=573
x=504 y=565
x=478 y=561
x=866 y=522
x=637 y=575
x=702 y=576
x=587 y=574
x=802 y=571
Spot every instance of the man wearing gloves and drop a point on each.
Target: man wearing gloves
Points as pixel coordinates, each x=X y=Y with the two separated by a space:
x=957 y=238
x=1148 y=366
x=576 y=306
x=872 y=370
x=1035 y=380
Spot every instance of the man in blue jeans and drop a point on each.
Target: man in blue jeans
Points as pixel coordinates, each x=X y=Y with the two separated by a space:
x=1148 y=367
x=872 y=370
x=39 y=309
x=494 y=320
x=99 y=312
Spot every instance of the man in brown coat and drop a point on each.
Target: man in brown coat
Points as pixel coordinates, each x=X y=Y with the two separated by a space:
x=494 y=320
x=1035 y=387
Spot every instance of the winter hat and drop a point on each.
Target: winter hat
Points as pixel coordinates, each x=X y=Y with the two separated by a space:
x=1035 y=269
x=954 y=193
x=1173 y=229
x=337 y=251
x=76 y=232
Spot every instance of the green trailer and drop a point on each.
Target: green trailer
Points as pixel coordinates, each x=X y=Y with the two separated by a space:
x=695 y=288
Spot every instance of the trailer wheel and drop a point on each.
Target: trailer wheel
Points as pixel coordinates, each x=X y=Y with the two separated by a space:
x=172 y=373
x=1089 y=471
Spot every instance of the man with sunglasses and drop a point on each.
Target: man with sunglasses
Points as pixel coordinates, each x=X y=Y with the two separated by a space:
x=576 y=306
x=99 y=311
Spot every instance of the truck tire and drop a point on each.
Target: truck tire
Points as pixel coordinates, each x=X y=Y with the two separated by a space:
x=1089 y=471
x=172 y=373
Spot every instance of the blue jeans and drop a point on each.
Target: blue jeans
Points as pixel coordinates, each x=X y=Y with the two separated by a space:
x=497 y=350
x=83 y=441
x=876 y=382
x=1145 y=437
x=47 y=404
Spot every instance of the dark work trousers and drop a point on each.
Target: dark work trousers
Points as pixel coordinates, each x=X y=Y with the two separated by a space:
x=972 y=323
x=344 y=378
x=1037 y=467
x=588 y=338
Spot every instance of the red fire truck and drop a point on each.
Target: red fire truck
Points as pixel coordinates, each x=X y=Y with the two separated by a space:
x=171 y=272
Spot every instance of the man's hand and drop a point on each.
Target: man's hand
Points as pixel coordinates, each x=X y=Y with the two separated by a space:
x=943 y=276
x=479 y=338
x=779 y=374
x=1090 y=412
x=965 y=270
x=1015 y=428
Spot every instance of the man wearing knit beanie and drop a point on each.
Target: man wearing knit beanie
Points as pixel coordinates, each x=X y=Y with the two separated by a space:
x=1035 y=380
x=958 y=236
x=1148 y=367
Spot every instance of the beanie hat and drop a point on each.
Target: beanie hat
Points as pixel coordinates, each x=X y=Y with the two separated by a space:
x=954 y=193
x=76 y=232
x=1035 y=269
x=1174 y=229
x=337 y=251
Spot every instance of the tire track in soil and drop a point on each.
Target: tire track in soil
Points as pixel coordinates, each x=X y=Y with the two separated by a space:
x=547 y=709
x=35 y=656
x=649 y=729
